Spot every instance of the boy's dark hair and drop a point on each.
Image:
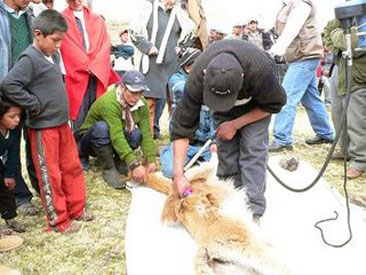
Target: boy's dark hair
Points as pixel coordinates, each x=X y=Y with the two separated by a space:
x=49 y=21
x=5 y=105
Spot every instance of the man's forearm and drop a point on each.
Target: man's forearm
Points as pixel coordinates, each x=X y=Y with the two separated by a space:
x=180 y=153
x=250 y=117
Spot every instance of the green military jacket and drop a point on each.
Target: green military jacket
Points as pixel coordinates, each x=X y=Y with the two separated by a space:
x=335 y=39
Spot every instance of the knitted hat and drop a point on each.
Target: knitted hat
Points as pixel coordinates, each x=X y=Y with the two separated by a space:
x=134 y=81
x=187 y=56
x=222 y=81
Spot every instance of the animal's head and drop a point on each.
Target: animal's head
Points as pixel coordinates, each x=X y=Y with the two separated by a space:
x=193 y=207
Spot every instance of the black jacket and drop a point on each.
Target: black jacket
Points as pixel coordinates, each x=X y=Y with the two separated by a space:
x=260 y=83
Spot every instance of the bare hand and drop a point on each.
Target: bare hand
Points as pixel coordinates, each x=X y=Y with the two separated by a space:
x=151 y=167
x=213 y=148
x=9 y=183
x=139 y=174
x=180 y=184
x=226 y=131
x=153 y=51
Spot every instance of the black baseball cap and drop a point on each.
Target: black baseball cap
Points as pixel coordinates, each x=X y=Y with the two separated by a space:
x=222 y=81
x=135 y=81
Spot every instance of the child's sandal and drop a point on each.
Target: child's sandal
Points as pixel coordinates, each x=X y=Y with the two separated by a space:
x=86 y=217
x=73 y=228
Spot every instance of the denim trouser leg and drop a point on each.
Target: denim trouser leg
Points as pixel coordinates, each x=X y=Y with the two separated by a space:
x=98 y=136
x=134 y=138
x=167 y=158
x=193 y=150
x=159 y=108
x=316 y=111
x=299 y=80
x=166 y=161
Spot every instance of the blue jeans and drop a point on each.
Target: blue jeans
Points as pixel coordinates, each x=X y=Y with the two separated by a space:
x=98 y=136
x=300 y=84
x=167 y=156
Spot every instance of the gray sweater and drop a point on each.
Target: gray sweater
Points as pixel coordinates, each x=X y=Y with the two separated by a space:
x=37 y=85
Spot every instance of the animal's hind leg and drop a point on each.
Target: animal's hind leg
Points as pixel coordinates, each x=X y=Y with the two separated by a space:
x=203 y=263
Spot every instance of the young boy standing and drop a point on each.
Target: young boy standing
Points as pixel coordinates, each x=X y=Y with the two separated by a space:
x=35 y=83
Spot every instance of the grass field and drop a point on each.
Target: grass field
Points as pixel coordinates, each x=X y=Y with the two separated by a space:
x=99 y=247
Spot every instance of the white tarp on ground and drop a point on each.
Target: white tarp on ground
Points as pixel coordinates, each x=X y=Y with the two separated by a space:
x=152 y=248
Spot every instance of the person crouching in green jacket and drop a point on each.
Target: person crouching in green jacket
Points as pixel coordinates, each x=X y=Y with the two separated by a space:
x=116 y=125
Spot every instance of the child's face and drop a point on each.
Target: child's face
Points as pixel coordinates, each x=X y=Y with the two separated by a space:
x=11 y=118
x=48 y=44
x=124 y=37
x=18 y=4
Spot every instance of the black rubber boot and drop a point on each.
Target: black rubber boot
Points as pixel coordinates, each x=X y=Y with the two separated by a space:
x=110 y=174
x=121 y=166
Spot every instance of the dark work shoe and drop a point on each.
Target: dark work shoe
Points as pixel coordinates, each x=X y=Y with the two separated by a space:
x=318 y=140
x=121 y=166
x=275 y=147
x=338 y=155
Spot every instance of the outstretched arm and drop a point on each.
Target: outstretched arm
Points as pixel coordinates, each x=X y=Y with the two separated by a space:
x=180 y=183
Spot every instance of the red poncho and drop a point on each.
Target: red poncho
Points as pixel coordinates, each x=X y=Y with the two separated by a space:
x=80 y=64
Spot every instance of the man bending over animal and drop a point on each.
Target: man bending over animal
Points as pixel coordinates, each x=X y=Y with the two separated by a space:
x=237 y=81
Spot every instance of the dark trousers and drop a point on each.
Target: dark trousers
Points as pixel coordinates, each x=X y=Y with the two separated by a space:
x=7 y=199
x=244 y=159
x=21 y=191
x=159 y=108
x=98 y=136
x=88 y=100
